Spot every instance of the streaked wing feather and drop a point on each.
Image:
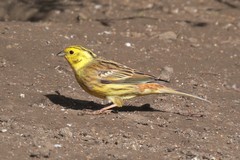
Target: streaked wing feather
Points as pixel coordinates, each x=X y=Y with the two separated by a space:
x=118 y=78
x=112 y=72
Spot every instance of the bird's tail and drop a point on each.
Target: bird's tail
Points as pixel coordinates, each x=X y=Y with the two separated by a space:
x=167 y=90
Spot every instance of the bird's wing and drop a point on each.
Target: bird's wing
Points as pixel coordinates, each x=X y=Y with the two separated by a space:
x=110 y=72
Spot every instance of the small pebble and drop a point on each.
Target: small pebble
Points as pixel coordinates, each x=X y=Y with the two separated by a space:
x=128 y=44
x=69 y=125
x=3 y=62
x=4 y=130
x=22 y=95
x=57 y=145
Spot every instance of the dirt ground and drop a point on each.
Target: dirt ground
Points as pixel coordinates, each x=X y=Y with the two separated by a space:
x=43 y=108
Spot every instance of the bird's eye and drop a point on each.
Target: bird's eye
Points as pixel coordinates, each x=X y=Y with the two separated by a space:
x=71 y=52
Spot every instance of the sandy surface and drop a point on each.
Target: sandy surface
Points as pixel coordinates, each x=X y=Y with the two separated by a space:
x=42 y=108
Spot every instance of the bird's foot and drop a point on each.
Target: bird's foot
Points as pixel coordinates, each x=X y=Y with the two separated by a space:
x=98 y=112
x=105 y=110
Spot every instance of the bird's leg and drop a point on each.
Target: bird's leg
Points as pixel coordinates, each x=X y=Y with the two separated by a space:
x=117 y=102
x=105 y=109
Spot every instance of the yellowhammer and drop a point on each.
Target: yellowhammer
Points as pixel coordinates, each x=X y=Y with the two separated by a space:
x=110 y=80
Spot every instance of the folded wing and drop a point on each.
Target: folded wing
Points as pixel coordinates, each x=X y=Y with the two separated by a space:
x=115 y=73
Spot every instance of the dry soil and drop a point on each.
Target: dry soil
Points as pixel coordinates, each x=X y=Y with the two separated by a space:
x=42 y=108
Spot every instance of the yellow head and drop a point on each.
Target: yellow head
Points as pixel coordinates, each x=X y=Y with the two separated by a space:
x=77 y=56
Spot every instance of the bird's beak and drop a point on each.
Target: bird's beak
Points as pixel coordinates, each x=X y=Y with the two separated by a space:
x=61 y=54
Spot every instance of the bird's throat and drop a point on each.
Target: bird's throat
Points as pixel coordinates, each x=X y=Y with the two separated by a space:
x=78 y=64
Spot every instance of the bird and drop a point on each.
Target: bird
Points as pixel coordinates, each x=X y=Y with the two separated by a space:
x=111 y=80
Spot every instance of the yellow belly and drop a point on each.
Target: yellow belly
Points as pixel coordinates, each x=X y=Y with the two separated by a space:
x=105 y=90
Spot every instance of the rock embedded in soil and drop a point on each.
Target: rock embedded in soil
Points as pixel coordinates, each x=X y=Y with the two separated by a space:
x=169 y=36
x=166 y=73
x=65 y=132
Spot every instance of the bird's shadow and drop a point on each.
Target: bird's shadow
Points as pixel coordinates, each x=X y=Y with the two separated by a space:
x=77 y=104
